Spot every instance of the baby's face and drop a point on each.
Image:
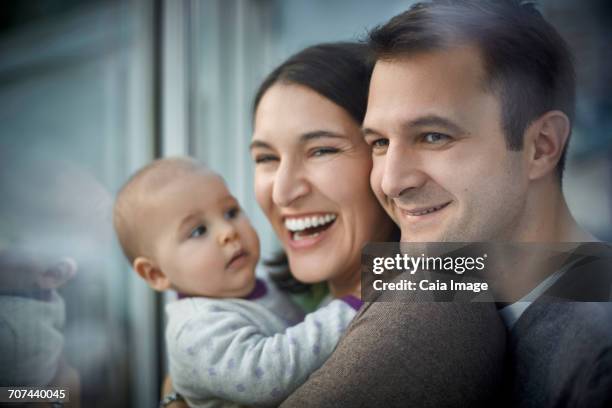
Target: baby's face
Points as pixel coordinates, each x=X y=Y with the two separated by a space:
x=203 y=242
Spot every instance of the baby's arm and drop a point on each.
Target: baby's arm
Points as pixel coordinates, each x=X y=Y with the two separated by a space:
x=230 y=357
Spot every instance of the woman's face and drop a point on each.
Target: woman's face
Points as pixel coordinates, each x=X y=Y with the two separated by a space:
x=312 y=170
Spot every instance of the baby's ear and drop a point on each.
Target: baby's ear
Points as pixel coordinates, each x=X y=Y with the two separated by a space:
x=151 y=273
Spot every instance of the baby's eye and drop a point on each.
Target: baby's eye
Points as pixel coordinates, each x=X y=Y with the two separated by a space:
x=232 y=213
x=198 y=231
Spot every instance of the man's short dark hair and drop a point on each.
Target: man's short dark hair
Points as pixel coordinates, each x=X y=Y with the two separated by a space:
x=527 y=63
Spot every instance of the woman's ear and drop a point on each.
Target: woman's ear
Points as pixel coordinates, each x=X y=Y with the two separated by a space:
x=545 y=140
x=151 y=273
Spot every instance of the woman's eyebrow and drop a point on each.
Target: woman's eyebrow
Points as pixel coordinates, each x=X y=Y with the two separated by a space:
x=259 y=143
x=319 y=134
x=305 y=137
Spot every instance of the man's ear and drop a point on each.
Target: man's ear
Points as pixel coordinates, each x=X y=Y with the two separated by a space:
x=545 y=140
x=151 y=273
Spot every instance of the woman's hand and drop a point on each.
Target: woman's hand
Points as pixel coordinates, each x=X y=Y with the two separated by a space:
x=167 y=389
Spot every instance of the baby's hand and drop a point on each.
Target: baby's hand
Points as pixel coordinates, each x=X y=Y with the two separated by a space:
x=58 y=274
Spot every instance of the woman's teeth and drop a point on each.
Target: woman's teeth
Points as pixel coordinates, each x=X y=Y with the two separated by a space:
x=300 y=224
x=301 y=235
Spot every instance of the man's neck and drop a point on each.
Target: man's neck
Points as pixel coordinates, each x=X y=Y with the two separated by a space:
x=548 y=218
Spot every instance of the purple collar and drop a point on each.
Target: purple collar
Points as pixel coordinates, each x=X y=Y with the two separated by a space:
x=258 y=291
x=352 y=301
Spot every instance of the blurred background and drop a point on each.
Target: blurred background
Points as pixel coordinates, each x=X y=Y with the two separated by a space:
x=92 y=90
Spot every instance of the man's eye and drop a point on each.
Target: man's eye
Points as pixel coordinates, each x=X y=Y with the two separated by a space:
x=435 y=138
x=264 y=158
x=198 y=231
x=321 y=151
x=232 y=213
x=380 y=143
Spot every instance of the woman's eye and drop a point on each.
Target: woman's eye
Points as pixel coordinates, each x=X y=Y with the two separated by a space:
x=198 y=231
x=321 y=151
x=232 y=213
x=264 y=158
x=435 y=138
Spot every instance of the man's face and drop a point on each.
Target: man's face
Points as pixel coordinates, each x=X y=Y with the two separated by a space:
x=441 y=166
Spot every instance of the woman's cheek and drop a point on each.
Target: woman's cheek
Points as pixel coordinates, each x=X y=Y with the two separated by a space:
x=263 y=190
x=351 y=177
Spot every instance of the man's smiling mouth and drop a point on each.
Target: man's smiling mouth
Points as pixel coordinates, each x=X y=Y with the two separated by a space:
x=418 y=212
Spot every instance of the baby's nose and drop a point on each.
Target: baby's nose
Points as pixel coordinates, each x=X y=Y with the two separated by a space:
x=228 y=234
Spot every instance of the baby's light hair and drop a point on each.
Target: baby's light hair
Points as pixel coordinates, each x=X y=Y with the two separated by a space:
x=133 y=196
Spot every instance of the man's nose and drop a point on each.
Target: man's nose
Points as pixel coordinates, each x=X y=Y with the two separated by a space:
x=228 y=233
x=290 y=183
x=401 y=172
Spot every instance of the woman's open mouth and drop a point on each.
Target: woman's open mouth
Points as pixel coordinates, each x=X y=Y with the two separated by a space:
x=301 y=228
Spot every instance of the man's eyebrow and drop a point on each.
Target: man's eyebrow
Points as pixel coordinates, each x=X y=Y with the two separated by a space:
x=433 y=120
x=367 y=131
x=423 y=121
x=305 y=137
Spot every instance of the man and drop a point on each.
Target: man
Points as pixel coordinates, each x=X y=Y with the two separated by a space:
x=469 y=117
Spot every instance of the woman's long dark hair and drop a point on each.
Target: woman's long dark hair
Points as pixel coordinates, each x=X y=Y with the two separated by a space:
x=341 y=73
x=338 y=71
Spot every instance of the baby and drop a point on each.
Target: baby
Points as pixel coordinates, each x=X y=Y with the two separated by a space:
x=230 y=336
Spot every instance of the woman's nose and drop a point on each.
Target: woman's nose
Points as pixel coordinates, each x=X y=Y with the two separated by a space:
x=289 y=185
x=227 y=234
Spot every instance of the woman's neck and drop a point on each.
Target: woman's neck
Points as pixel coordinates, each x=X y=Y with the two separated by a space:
x=345 y=286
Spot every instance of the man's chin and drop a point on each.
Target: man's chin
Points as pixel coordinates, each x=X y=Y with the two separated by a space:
x=430 y=231
x=410 y=236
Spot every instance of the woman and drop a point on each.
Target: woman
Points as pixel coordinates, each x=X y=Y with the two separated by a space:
x=312 y=171
x=312 y=163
